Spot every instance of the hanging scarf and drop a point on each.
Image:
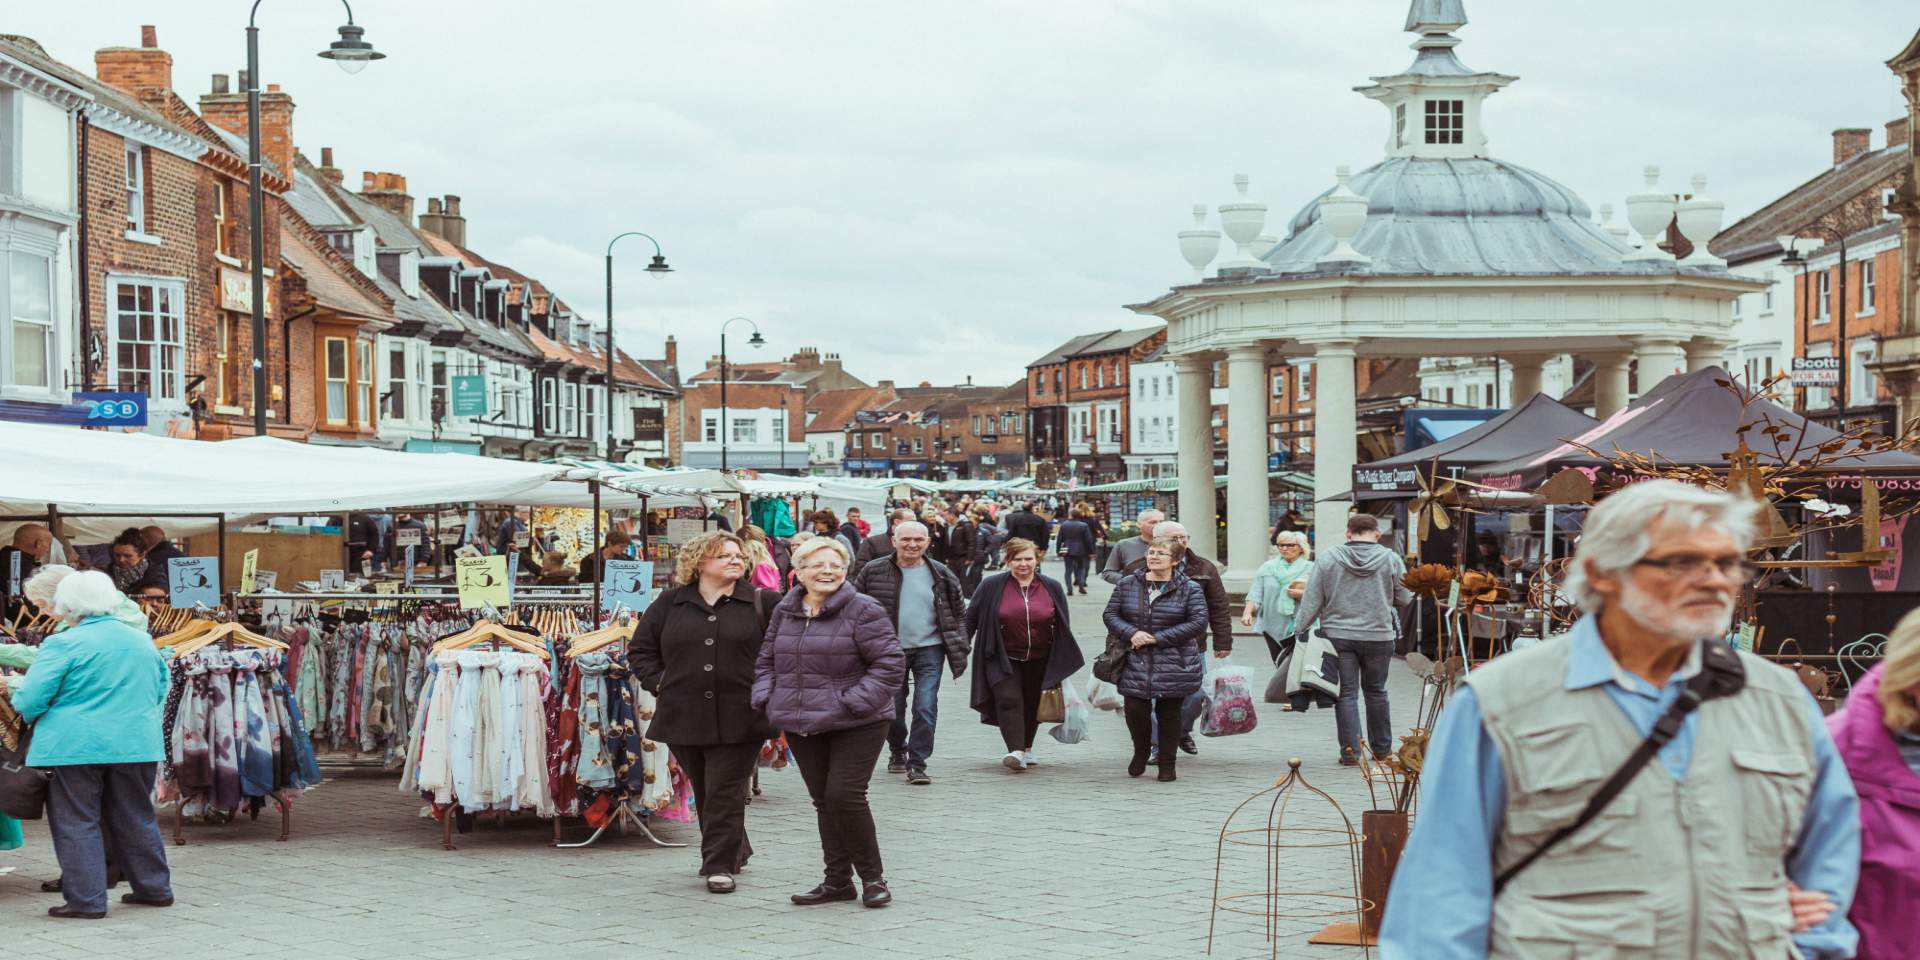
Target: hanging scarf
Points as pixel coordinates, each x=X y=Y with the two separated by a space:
x=595 y=770
x=623 y=731
x=253 y=730
x=125 y=577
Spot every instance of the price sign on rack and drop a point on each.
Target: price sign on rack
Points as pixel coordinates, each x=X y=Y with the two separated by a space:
x=193 y=581
x=406 y=537
x=249 y=568
x=628 y=584
x=332 y=580
x=482 y=582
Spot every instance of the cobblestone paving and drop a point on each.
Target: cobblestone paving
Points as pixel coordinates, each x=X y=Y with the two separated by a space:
x=1072 y=859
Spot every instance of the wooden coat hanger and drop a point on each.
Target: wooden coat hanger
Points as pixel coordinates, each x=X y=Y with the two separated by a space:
x=605 y=636
x=227 y=631
x=186 y=631
x=486 y=631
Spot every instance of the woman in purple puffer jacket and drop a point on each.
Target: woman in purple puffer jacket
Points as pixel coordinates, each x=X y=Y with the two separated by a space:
x=827 y=675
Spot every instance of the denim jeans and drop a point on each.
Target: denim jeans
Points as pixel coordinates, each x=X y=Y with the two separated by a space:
x=1363 y=670
x=99 y=808
x=1077 y=571
x=923 y=675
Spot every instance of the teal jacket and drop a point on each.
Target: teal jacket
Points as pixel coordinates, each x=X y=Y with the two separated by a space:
x=93 y=695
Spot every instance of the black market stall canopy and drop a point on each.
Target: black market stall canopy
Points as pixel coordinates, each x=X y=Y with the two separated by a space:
x=1527 y=428
x=1694 y=420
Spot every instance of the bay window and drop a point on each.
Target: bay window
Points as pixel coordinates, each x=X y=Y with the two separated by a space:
x=337 y=375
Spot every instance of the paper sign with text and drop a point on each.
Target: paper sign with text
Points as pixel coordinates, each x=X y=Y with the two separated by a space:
x=193 y=581
x=482 y=582
x=628 y=584
x=332 y=580
x=249 y=568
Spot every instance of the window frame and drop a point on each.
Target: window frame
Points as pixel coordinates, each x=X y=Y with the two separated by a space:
x=1869 y=290
x=328 y=380
x=1823 y=298
x=363 y=373
x=175 y=390
x=397 y=386
x=136 y=188
x=1444 y=121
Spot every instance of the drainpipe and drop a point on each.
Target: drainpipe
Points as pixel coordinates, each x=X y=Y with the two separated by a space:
x=86 y=281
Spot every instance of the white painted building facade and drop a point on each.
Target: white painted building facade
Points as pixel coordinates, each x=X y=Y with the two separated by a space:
x=1154 y=405
x=39 y=216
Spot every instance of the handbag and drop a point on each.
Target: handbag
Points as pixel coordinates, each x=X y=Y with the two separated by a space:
x=1108 y=666
x=23 y=789
x=1053 y=706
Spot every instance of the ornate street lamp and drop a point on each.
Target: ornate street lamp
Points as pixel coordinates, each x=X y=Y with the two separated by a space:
x=754 y=341
x=657 y=269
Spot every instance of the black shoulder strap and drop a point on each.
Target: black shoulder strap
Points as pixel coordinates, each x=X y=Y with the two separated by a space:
x=1721 y=675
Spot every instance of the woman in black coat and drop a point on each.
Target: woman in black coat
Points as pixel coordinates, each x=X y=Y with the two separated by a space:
x=695 y=650
x=1022 y=644
x=1160 y=614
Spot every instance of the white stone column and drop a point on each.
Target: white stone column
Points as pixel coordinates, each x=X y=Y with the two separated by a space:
x=1659 y=358
x=1703 y=353
x=1528 y=373
x=1609 y=384
x=1336 y=438
x=1193 y=376
x=1246 y=465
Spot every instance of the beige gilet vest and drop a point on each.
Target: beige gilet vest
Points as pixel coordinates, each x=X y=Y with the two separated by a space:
x=1687 y=869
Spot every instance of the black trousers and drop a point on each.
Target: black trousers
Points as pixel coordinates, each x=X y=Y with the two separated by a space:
x=1141 y=713
x=837 y=767
x=101 y=810
x=721 y=775
x=1016 y=703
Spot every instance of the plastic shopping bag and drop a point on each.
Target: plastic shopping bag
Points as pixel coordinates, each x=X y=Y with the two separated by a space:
x=1104 y=696
x=1229 y=706
x=1073 y=727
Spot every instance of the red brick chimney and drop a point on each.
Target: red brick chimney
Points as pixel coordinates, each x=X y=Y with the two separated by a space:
x=1850 y=142
x=145 y=71
x=327 y=169
x=673 y=352
x=1897 y=131
x=389 y=190
x=227 y=109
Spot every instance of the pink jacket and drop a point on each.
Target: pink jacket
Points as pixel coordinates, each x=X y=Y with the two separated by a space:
x=1883 y=908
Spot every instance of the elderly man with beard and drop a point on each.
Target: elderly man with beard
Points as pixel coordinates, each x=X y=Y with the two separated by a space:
x=1740 y=838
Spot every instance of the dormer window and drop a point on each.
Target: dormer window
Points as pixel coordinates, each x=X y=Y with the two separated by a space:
x=1446 y=121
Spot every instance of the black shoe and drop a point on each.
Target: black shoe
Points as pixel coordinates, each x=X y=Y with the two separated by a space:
x=146 y=901
x=875 y=894
x=1166 y=773
x=50 y=886
x=897 y=763
x=1187 y=744
x=825 y=893
x=67 y=913
x=719 y=883
x=918 y=777
x=1137 y=766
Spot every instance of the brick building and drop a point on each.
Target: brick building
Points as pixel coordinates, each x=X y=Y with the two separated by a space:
x=767 y=421
x=1077 y=402
x=994 y=443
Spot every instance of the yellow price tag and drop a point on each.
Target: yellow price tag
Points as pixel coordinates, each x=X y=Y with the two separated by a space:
x=483 y=582
x=249 y=562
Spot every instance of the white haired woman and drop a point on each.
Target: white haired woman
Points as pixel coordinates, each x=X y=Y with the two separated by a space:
x=1878 y=735
x=94 y=694
x=1275 y=594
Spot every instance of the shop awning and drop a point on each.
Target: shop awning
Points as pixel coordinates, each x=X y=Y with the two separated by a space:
x=1537 y=423
x=1694 y=420
x=1290 y=480
x=94 y=471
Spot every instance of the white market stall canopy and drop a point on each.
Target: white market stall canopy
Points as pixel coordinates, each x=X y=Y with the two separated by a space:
x=144 y=476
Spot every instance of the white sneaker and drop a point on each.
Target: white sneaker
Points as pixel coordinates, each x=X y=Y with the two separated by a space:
x=1026 y=757
x=1013 y=761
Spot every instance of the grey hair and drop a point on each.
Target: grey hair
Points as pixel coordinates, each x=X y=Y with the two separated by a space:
x=817 y=544
x=1616 y=533
x=40 y=587
x=1160 y=528
x=88 y=593
x=906 y=525
x=1298 y=539
x=1144 y=514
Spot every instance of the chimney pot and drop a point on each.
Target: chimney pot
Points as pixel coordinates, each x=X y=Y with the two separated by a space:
x=326 y=156
x=453 y=205
x=433 y=205
x=243 y=81
x=219 y=83
x=1850 y=142
x=273 y=88
x=149 y=37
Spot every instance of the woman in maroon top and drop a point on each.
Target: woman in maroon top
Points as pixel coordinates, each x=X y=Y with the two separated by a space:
x=1022 y=645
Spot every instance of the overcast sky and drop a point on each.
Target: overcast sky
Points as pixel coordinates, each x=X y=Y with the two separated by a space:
x=939 y=190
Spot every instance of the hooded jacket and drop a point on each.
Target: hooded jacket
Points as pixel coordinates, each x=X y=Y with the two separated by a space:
x=1353 y=593
x=1889 y=823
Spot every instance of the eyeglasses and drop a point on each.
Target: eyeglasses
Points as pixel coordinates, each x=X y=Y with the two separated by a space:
x=1732 y=566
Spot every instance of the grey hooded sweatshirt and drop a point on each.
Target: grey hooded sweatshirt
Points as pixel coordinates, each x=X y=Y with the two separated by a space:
x=1353 y=593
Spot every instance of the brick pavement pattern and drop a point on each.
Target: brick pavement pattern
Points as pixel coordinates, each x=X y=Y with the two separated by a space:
x=1071 y=859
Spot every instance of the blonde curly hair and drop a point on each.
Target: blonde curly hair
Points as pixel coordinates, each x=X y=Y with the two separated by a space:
x=695 y=553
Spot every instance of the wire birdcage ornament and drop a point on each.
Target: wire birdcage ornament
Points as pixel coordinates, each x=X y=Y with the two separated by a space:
x=1271 y=902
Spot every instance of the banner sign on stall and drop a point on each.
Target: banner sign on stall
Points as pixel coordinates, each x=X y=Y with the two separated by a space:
x=332 y=580
x=1815 y=372
x=482 y=582
x=249 y=568
x=407 y=537
x=469 y=396
x=1386 y=479
x=193 y=582
x=628 y=584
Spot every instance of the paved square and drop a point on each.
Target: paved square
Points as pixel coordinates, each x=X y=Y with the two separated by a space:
x=1072 y=859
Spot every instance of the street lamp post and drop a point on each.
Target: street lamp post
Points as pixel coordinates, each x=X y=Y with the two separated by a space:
x=657 y=269
x=1840 y=331
x=754 y=341
x=352 y=54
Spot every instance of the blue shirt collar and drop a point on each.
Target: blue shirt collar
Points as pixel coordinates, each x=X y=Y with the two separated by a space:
x=1590 y=663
